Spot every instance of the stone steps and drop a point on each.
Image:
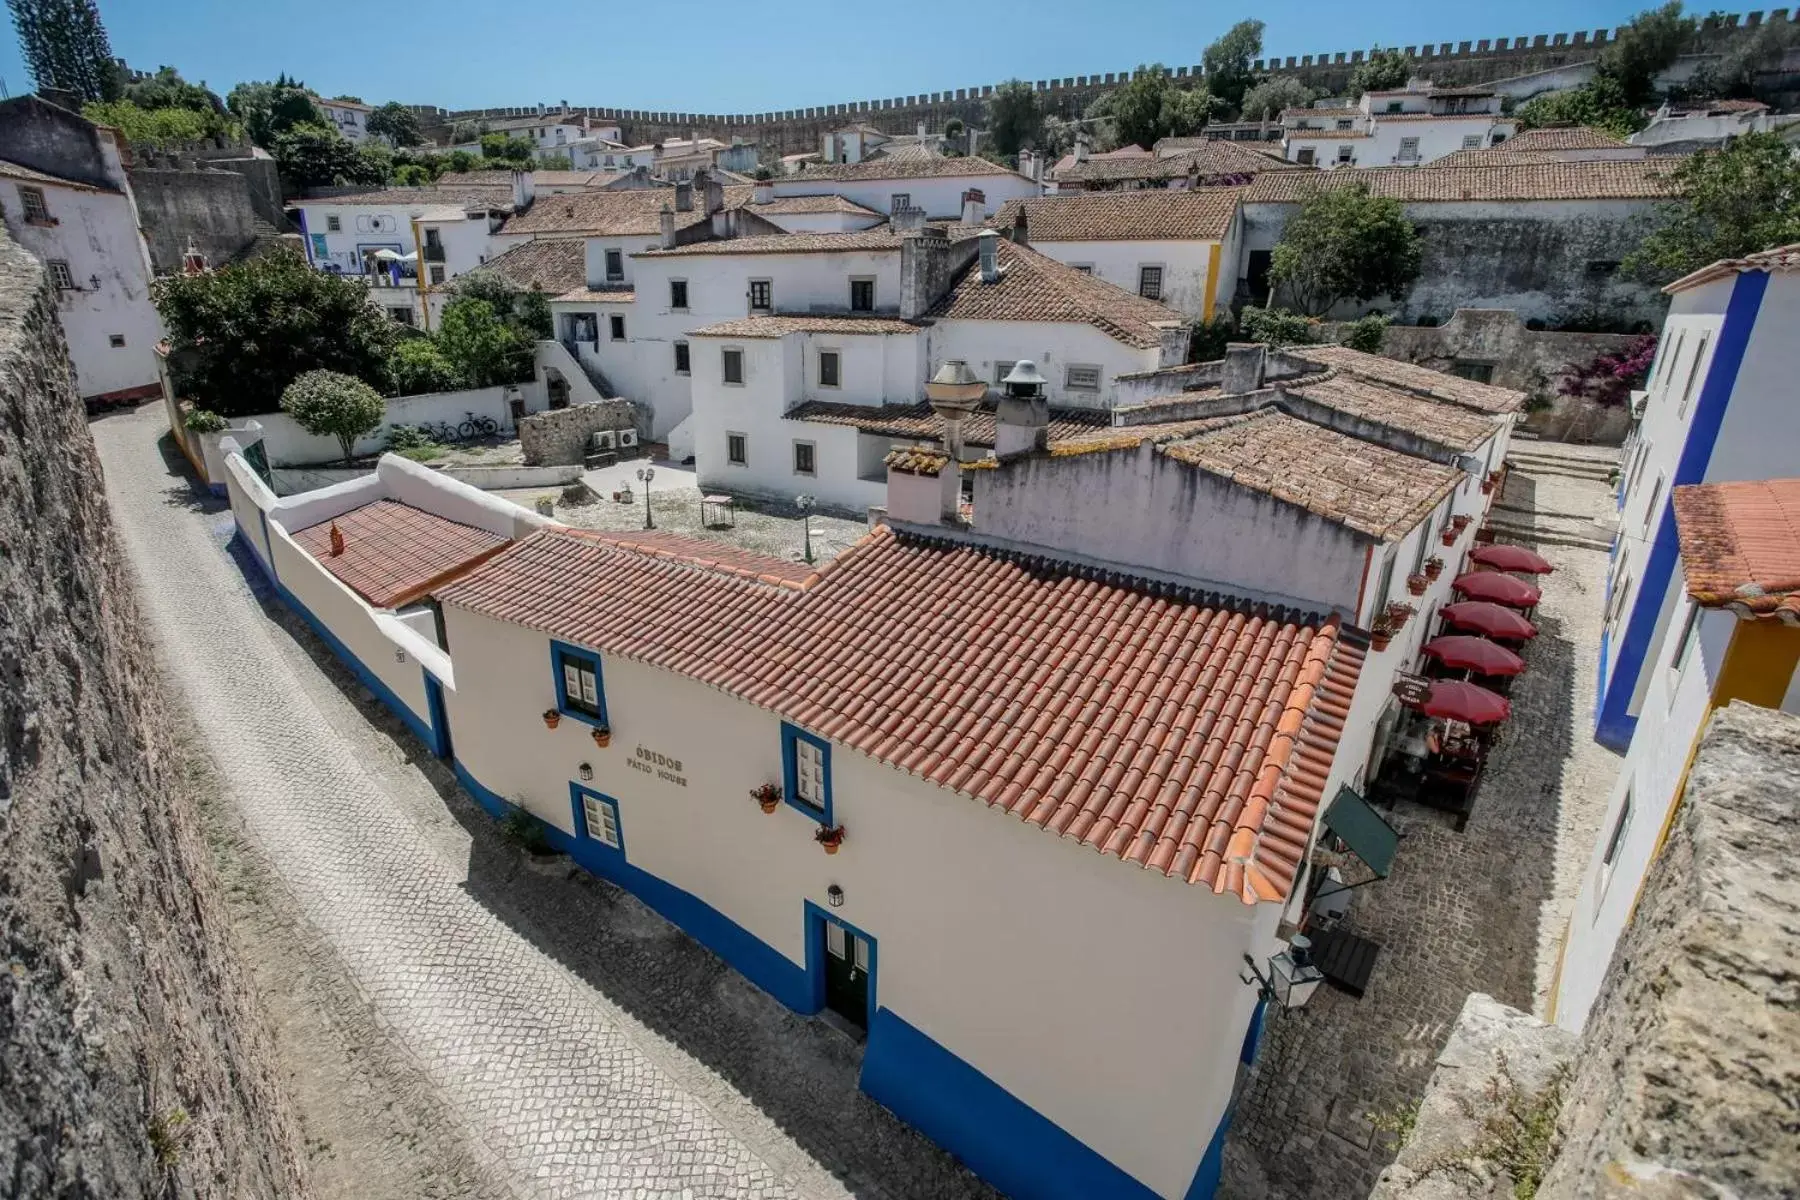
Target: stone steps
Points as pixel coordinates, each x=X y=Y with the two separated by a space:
x=1534 y=464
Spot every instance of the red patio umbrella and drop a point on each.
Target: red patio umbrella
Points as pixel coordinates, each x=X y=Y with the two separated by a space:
x=1474 y=654
x=1489 y=620
x=1512 y=558
x=1455 y=700
x=1498 y=587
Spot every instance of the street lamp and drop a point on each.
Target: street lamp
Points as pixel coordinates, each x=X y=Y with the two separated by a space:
x=646 y=474
x=1292 y=977
x=805 y=505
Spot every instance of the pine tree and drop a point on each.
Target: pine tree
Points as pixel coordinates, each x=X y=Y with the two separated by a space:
x=66 y=49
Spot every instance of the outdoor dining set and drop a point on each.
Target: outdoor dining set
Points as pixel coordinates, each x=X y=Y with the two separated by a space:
x=1452 y=711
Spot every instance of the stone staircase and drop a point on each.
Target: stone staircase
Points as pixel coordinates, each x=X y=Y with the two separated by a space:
x=1552 y=491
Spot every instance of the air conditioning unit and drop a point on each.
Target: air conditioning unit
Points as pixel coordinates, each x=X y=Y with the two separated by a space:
x=1332 y=901
x=603 y=440
x=627 y=438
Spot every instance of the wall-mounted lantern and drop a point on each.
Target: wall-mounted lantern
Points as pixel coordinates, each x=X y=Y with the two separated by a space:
x=1292 y=977
x=586 y=772
x=834 y=896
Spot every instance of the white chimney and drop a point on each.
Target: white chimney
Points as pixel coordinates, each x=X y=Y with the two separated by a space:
x=763 y=192
x=1022 y=424
x=1243 y=369
x=924 y=485
x=974 y=206
x=667 y=220
x=523 y=189
x=921 y=131
x=684 y=196
x=989 y=243
x=1081 y=147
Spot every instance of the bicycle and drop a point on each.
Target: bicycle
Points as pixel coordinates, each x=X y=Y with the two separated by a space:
x=477 y=426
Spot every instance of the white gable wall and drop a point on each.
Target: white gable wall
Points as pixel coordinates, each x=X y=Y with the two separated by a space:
x=940 y=197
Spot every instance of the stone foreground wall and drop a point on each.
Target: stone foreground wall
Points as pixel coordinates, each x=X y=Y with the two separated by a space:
x=1683 y=1083
x=560 y=435
x=135 y=1061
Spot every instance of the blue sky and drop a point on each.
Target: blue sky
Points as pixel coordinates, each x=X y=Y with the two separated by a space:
x=719 y=56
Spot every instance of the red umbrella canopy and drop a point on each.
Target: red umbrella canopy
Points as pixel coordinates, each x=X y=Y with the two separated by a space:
x=1512 y=558
x=1488 y=619
x=1474 y=654
x=1455 y=700
x=1497 y=587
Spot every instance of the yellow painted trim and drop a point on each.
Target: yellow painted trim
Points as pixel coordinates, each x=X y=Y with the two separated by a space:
x=1212 y=282
x=423 y=275
x=1562 y=952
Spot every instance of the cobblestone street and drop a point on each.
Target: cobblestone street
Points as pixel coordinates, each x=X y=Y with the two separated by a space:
x=582 y=1046
x=1481 y=910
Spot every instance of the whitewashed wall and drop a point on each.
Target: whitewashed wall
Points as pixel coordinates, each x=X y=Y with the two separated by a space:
x=1054 y=346
x=289 y=445
x=1186 y=265
x=940 y=197
x=954 y=894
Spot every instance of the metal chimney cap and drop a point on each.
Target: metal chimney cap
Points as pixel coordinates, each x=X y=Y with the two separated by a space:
x=1025 y=373
x=956 y=372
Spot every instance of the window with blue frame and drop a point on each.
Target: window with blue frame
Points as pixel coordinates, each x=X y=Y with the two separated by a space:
x=806 y=763
x=600 y=818
x=580 y=690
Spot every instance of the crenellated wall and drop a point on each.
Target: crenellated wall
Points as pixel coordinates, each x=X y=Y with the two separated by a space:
x=793 y=130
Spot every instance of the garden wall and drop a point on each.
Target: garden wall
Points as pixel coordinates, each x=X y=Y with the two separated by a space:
x=288 y=445
x=561 y=435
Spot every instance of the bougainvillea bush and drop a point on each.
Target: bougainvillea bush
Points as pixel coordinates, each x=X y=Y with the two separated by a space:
x=1609 y=379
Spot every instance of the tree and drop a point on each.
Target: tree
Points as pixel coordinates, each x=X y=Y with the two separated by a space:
x=1382 y=71
x=239 y=335
x=1014 y=118
x=555 y=162
x=517 y=151
x=1227 y=63
x=1733 y=202
x=1150 y=107
x=269 y=110
x=411 y=175
x=484 y=349
x=397 y=123
x=1267 y=99
x=1600 y=104
x=319 y=156
x=167 y=89
x=464 y=132
x=328 y=404
x=1345 y=244
x=460 y=161
x=66 y=49
x=528 y=311
x=151 y=126
x=1276 y=326
x=1645 y=47
x=1738 y=73
x=418 y=367
x=1366 y=334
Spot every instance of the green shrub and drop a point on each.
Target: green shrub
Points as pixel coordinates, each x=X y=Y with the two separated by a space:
x=411 y=441
x=203 y=420
x=1210 y=338
x=525 y=831
x=329 y=404
x=1366 y=334
x=1276 y=326
x=417 y=367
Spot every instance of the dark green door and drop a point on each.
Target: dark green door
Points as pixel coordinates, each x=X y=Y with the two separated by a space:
x=847 y=974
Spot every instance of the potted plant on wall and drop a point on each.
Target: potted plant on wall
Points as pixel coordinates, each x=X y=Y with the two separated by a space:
x=603 y=736
x=830 y=837
x=768 y=795
x=1381 y=633
x=1434 y=566
x=1416 y=584
x=1398 y=611
x=552 y=718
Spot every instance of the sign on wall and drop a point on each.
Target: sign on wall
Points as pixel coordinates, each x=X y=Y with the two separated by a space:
x=661 y=766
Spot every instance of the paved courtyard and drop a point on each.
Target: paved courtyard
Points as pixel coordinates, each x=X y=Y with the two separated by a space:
x=585 y=1046
x=1481 y=910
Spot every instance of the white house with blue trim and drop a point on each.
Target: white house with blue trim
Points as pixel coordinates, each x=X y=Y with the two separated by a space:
x=1023 y=858
x=1720 y=405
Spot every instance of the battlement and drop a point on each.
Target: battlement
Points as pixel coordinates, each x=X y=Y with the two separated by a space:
x=1465 y=62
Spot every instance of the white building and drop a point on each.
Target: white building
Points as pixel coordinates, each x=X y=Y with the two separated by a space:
x=1179 y=248
x=406 y=243
x=887 y=185
x=1407 y=127
x=680 y=159
x=349 y=117
x=66 y=198
x=1677 y=128
x=1208 y=164
x=1572 y=143
x=1719 y=407
x=600 y=154
x=1734 y=635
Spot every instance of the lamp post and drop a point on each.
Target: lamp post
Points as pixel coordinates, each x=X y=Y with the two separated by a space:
x=646 y=474
x=805 y=505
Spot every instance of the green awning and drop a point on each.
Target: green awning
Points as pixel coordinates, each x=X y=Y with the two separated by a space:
x=1364 y=830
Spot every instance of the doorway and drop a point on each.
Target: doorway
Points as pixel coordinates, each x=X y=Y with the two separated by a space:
x=847 y=965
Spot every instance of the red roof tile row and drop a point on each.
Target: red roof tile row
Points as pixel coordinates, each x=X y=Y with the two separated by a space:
x=1740 y=545
x=393 y=553
x=1177 y=731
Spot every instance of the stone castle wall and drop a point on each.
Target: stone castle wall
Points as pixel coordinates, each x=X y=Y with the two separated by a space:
x=795 y=130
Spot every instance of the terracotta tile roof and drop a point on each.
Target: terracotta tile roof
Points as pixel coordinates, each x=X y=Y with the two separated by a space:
x=1325 y=135
x=1434 y=420
x=1493 y=118
x=588 y=295
x=1641 y=179
x=1177 y=731
x=781 y=325
x=1719 y=106
x=918 y=421
x=13 y=170
x=1499 y=156
x=879 y=239
x=1068 y=160
x=541 y=178
x=706 y=554
x=600 y=213
x=796 y=205
x=394 y=553
x=895 y=166
x=1782 y=258
x=1322 y=113
x=1350 y=482
x=1035 y=288
x=1568 y=137
x=431 y=196
x=1155 y=214
x=1482 y=397
x=916 y=460
x=554 y=266
x=1215 y=159
x=1740 y=545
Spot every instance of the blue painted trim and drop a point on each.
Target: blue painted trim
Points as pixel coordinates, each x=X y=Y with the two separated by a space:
x=268 y=550
x=1212 y=1163
x=591 y=658
x=577 y=796
x=1253 y=1034
x=368 y=678
x=743 y=951
x=440 y=717
x=1000 y=1137
x=1615 y=724
x=816 y=954
x=791 y=734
